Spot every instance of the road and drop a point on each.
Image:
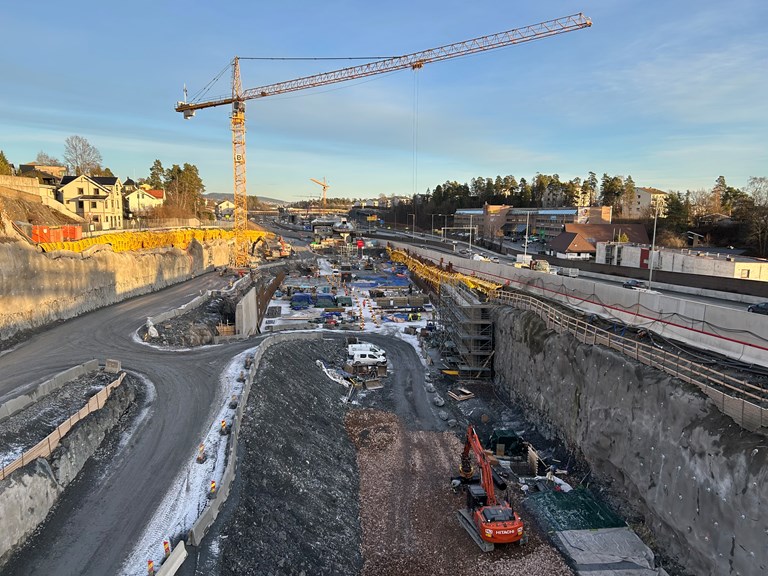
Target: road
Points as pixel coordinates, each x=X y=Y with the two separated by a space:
x=97 y=523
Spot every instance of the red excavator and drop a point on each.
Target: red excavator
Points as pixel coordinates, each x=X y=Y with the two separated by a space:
x=488 y=520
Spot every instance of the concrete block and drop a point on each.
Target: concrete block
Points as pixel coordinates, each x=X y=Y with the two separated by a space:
x=174 y=561
x=112 y=366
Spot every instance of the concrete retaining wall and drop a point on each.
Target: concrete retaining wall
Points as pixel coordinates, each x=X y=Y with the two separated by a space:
x=42 y=288
x=699 y=480
x=735 y=333
x=28 y=494
x=12 y=406
x=246 y=314
x=210 y=513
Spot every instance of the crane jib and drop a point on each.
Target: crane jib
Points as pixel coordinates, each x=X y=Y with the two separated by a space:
x=415 y=60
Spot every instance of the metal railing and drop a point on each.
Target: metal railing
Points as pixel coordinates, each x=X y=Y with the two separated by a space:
x=47 y=445
x=737 y=398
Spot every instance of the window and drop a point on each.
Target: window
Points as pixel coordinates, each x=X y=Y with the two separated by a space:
x=80 y=191
x=93 y=204
x=745 y=273
x=80 y=204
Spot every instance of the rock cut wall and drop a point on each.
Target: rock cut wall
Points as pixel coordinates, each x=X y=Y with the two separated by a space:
x=29 y=493
x=697 y=478
x=39 y=288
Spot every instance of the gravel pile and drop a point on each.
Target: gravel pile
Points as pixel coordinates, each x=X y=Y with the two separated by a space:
x=332 y=488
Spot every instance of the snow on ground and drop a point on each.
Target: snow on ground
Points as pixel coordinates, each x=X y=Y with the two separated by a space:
x=188 y=495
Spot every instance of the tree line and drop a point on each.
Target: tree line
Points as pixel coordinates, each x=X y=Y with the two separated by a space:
x=746 y=209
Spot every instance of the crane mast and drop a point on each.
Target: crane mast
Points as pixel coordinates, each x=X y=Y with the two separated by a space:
x=415 y=60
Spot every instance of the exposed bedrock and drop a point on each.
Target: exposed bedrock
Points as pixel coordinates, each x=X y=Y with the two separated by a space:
x=696 y=478
x=40 y=288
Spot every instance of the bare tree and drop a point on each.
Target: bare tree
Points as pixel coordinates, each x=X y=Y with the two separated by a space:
x=81 y=156
x=757 y=216
x=44 y=159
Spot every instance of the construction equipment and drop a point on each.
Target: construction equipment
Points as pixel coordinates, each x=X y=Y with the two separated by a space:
x=414 y=61
x=325 y=186
x=487 y=520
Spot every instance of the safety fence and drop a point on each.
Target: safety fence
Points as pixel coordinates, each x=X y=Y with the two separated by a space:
x=20 y=402
x=736 y=398
x=47 y=445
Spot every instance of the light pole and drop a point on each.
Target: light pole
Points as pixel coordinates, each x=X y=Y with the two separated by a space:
x=445 y=225
x=413 y=226
x=432 y=229
x=653 y=245
x=470 y=235
x=525 y=242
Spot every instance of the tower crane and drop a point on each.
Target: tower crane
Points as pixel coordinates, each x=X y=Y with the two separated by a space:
x=325 y=186
x=414 y=61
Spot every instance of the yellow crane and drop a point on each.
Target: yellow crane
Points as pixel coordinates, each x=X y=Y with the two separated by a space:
x=325 y=186
x=414 y=61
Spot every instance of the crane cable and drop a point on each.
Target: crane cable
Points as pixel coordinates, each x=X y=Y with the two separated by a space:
x=415 y=134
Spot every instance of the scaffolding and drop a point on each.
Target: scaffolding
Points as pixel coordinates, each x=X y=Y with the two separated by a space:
x=464 y=312
x=468 y=345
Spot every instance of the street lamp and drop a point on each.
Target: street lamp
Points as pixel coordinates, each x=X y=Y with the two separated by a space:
x=470 y=235
x=525 y=242
x=413 y=227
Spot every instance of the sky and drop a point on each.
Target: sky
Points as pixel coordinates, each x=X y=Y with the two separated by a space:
x=672 y=93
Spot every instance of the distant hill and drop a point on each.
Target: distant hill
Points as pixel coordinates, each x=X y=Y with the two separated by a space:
x=219 y=196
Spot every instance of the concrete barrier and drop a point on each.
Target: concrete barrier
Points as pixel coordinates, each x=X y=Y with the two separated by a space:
x=172 y=564
x=209 y=515
x=14 y=405
x=734 y=333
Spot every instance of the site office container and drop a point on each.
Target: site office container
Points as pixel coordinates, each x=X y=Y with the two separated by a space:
x=57 y=235
x=41 y=233
x=73 y=232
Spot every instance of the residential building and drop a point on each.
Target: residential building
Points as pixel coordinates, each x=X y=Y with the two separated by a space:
x=97 y=199
x=142 y=199
x=57 y=172
x=645 y=203
x=225 y=208
x=581 y=240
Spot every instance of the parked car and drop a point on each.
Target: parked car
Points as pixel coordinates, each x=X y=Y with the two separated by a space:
x=367 y=359
x=495 y=259
x=761 y=308
x=633 y=284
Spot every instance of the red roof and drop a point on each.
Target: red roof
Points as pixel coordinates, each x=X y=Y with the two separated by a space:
x=159 y=194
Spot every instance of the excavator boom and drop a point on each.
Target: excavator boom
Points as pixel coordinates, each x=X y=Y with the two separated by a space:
x=487 y=520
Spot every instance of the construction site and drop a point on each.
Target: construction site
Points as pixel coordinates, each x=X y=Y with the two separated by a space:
x=254 y=402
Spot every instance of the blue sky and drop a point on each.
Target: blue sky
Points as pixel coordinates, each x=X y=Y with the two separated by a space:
x=672 y=93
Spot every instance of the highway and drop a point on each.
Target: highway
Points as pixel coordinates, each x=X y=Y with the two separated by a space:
x=102 y=515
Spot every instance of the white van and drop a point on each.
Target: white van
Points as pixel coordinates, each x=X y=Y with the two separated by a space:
x=367 y=359
x=364 y=347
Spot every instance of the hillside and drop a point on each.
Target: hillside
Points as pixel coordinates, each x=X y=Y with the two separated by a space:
x=19 y=210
